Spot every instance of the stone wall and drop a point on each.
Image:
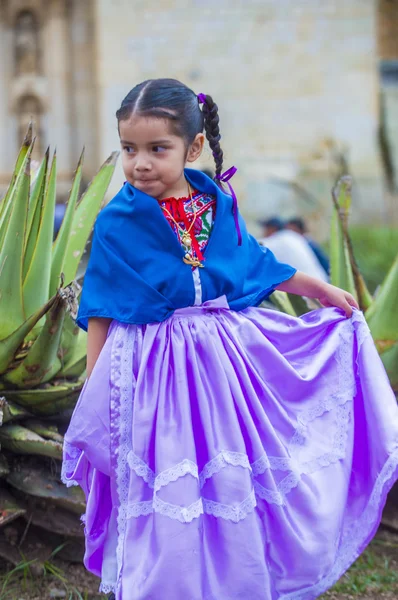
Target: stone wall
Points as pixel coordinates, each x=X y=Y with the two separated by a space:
x=292 y=79
x=47 y=75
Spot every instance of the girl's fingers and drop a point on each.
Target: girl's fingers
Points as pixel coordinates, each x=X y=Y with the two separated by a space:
x=351 y=300
x=347 y=308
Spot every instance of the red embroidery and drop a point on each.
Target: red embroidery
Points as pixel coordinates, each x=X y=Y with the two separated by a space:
x=182 y=211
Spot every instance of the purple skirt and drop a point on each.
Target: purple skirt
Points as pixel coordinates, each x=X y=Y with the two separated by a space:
x=232 y=455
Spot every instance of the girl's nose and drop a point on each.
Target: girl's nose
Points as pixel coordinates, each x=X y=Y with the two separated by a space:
x=142 y=163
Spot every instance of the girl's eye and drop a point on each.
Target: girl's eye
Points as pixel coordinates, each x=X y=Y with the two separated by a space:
x=158 y=149
x=128 y=149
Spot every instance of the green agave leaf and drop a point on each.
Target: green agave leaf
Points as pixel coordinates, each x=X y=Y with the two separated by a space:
x=10 y=345
x=61 y=242
x=350 y=270
x=74 y=369
x=299 y=304
x=38 y=482
x=34 y=213
x=76 y=362
x=382 y=316
x=11 y=257
x=46 y=431
x=54 y=519
x=10 y=509
x=38 y=366
x=69 y=339
x=390 y=362
x=26 y=146
x=37 y=281
x=340 y=267
x=11 y=412
x=47 y=401
x=85 y=215
x=282 y=302
x=23 y=441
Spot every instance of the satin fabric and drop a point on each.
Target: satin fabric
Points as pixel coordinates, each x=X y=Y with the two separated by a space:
x=232 y=455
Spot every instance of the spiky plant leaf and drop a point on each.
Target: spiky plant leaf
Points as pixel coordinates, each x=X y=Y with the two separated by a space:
x=348 y=269
x=340 y=267
x=282 y=302
x=61 y=243
x=47 y=401
x=10 y=508
x=76 y=362
x=11 y=257
x=9 y=411
x=84 y=217
x=10 y=345
x=46 y=431
x=48 y=516
x=69 y=341
x=38 y=366
x=37 y=281
x=36 y=481
x=26 y=146
x=23 y=441
x=389 y=356
x=34 y=213
x=382 y=316
x=300 y=304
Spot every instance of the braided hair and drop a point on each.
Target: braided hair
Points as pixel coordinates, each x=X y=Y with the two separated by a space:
x=170 y=99
x=211 y=121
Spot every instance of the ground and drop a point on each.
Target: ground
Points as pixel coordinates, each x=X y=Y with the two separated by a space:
x=373 y=577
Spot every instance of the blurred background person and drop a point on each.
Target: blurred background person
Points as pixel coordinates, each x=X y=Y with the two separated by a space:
x=298 y=225
x=290 y=247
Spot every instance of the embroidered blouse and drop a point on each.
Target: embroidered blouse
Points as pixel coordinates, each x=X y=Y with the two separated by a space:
x=183 y=210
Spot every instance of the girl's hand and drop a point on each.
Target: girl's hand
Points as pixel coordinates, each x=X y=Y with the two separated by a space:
x=327 y=294
x=334 y=296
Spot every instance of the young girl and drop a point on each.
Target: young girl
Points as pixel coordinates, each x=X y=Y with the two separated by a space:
x=226 y=451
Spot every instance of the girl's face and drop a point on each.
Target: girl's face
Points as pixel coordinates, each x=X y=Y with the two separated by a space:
x=153 y=157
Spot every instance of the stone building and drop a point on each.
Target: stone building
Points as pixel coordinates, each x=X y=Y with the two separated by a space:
x=305 y=89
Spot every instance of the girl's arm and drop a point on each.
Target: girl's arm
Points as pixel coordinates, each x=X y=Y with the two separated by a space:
x=327 y=294
x=96 y=337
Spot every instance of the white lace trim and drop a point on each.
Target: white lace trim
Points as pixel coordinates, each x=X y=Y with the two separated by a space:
x=107 y=588
x=185 y=467
x=345 y=392
x=141 y=468
x=69 y=464
x=355 y=537
x=362 y=329
x=231 y=512
x=122 y=393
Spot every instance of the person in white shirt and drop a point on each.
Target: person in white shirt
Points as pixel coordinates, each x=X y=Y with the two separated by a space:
x=291 y=248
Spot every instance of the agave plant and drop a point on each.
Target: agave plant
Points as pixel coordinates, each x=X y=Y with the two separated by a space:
x=42 y=352
x=380 y=310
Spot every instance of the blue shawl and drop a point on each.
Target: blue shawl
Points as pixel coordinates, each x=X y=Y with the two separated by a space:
x=136 y=273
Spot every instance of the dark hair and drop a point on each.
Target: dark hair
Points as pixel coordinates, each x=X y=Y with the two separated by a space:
x=299 y=223
x=170 y=99
x=274 y=222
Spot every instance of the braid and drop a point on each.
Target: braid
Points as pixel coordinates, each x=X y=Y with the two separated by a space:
x=211 y=121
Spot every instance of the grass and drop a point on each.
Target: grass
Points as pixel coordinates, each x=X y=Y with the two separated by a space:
x=22 y=579
x=374 y=574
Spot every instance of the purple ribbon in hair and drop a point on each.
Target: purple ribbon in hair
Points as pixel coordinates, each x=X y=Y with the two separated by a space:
x=224 y=178
x=201 y=98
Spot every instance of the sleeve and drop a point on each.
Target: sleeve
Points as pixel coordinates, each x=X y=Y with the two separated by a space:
x=112 y=288
x=101 y=285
